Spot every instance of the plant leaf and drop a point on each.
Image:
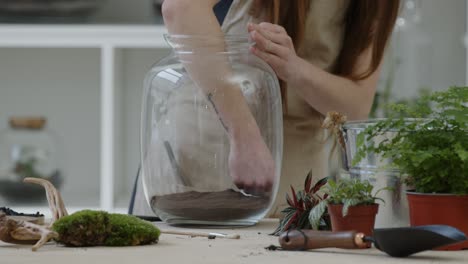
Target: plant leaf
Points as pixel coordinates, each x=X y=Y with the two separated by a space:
x=291 y=221
x=462 y=152
x=294 y=196
x=303 y=221
x=320 y=184
x=348 y=203
x=284 y=222
x=288 y=200
x=308 y=182
x=316 y=214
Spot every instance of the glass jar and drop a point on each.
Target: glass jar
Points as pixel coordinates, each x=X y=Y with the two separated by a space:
x=187 y=149
x=27 y=149
x=379 y=172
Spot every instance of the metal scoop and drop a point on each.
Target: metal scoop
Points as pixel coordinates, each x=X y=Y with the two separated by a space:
x=396 y=242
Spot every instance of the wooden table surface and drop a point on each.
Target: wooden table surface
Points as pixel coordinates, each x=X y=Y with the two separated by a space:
x=250 y=248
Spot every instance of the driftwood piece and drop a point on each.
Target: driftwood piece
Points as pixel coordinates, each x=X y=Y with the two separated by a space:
x=24 y=233
x=16 y=231
x=56 y=205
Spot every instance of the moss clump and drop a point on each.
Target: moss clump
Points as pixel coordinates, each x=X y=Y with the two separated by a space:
x=84 y=228
x=130 y=231
x=98 y=228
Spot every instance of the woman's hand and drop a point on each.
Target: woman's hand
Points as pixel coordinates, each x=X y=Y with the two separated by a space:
x=251 y=163
x=275 y=46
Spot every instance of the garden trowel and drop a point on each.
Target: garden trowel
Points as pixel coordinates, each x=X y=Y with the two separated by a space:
x=396 y=242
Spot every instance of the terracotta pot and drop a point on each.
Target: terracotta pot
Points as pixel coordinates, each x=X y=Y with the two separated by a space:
x=440 y=209
x=360 y=218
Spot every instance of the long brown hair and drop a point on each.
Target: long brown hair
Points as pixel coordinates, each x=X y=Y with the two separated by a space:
x=368 y=23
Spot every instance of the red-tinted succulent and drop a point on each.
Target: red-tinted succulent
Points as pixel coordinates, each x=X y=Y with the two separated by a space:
x=296 y=216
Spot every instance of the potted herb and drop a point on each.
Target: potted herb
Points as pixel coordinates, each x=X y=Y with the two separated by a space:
x=297 y=214
x=431 y=153
x=351 y=206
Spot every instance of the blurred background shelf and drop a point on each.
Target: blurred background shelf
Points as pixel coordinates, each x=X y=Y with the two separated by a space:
x=82 y=36
x=87 y=80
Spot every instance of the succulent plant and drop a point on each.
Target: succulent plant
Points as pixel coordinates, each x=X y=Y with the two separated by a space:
x=296 y=216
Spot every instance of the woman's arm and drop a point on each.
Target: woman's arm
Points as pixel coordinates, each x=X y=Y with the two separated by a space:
x=322 y=90
x=251 y=163
x=190 y=17
x=210 y=73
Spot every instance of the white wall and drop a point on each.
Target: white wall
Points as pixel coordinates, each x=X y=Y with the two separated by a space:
x=446 y=24
x=63 y=86
x=432 y=53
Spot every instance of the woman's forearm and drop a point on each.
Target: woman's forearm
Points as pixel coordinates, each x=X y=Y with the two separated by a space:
x=192 y=17
x=328 y=92
x=211 y=73
x=321 y=90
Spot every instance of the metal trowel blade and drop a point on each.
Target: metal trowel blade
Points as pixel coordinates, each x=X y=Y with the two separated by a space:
x=405 y=241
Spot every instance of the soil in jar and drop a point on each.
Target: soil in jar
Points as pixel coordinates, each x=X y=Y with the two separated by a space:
x=211 y=206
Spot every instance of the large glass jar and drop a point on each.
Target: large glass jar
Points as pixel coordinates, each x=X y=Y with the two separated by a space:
x=186 y=148
x=28 y=149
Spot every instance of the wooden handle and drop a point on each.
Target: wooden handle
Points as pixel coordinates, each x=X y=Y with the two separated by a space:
x=309 y=239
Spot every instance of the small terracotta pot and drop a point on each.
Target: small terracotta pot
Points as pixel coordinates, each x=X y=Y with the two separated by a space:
x=360 y=218
x=440 y=209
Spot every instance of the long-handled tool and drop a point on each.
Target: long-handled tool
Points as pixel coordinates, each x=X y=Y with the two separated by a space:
x=396 y=242
x=210 y=235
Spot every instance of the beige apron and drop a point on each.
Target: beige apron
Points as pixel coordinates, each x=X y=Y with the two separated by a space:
x=306 y=145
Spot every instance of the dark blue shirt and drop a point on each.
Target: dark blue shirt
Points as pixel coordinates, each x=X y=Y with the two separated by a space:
x=221 y=9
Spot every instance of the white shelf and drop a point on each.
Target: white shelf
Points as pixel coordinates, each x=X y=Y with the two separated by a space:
x=82 y=36
x=109 y=40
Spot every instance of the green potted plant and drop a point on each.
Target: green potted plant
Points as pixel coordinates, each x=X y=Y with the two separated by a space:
x=431 y=154
x=296 y=215
x=350 y=204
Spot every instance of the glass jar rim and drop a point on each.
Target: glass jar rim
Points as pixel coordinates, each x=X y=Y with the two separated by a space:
x=185 y=43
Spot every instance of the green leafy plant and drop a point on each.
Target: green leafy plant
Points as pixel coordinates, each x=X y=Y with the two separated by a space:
x=431 y=152
x=349 y=192
x=302 y=202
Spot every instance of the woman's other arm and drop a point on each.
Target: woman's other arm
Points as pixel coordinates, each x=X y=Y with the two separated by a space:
x=322 y=90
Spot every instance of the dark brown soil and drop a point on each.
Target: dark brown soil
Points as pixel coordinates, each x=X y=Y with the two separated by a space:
x=11 y=212
x=211 y=206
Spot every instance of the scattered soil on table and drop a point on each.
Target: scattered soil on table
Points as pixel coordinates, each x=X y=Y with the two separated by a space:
x=36 y=218
x=211 y=206
x=11 y=212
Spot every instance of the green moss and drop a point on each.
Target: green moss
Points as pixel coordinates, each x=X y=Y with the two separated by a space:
x=130 y=231
x=83 y=228
x=98 y=228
